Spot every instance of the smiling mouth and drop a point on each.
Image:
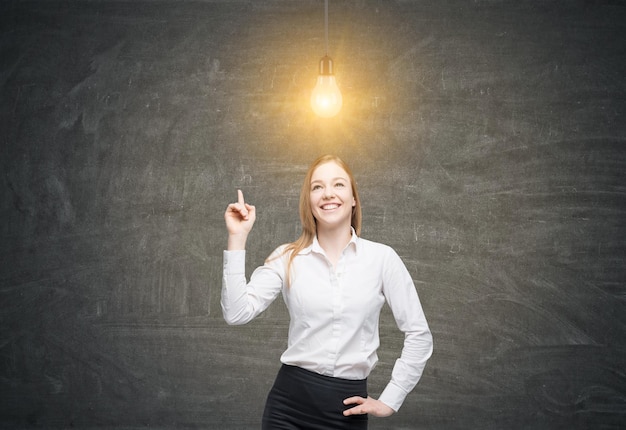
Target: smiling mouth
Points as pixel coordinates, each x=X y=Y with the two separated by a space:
x=330 y=206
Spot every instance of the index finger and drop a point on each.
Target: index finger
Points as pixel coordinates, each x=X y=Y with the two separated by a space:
x=240 y=198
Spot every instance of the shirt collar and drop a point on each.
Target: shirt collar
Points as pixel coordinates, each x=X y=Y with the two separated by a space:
x=315 y=246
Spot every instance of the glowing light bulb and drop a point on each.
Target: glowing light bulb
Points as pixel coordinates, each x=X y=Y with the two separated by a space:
x=326 y=98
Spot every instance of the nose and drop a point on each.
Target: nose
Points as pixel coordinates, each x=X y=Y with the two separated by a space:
x=328 y=192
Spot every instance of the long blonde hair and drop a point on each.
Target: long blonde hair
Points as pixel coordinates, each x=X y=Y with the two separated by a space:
x=309 y=225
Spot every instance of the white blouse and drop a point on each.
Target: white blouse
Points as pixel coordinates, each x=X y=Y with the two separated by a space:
x=335 y=311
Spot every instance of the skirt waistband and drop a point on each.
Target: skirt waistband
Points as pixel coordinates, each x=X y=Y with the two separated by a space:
x=308 y=375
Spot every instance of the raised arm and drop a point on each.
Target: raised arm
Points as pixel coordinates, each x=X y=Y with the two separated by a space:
x=242 y=301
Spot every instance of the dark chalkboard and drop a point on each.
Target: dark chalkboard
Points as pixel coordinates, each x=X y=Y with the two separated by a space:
x=487 y=138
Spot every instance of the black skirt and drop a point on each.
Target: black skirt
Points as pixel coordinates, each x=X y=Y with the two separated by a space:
x=304 y=400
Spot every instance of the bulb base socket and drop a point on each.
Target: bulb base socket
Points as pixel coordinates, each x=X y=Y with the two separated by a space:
x=326 y=66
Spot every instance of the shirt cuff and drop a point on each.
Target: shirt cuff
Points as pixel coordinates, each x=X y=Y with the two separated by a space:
x=393 y=396
x=234 y=262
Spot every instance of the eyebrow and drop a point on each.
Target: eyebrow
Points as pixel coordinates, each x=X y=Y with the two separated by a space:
x=334 y=179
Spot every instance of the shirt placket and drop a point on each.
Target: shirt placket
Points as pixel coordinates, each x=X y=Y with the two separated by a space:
x=337 y=305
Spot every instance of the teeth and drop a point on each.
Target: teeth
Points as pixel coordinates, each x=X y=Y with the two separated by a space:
x=331 y=206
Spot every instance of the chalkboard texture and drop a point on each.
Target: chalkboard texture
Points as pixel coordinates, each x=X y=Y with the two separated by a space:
x=488 y=139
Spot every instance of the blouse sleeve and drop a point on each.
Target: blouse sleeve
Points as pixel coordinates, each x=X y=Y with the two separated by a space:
x=404 y=302
x=242 y=301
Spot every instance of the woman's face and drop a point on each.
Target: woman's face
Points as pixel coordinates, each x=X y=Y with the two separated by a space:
x=331 y=196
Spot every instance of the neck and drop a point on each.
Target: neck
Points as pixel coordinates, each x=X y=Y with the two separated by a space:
x=333 y=241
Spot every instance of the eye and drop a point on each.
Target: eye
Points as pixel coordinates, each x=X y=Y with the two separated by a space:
x=316 y=187
x=340 y=184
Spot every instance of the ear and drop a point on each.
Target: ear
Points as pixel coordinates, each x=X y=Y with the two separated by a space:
x=353 y=202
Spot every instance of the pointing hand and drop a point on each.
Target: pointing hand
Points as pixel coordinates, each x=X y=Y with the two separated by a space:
x=239 y=219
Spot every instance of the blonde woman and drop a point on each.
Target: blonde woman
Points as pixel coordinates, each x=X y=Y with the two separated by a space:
x=334 y=284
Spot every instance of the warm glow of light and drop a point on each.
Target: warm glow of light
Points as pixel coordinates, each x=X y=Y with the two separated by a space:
x=326 y=98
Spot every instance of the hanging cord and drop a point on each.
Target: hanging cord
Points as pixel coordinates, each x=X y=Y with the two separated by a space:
x=326 y=24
